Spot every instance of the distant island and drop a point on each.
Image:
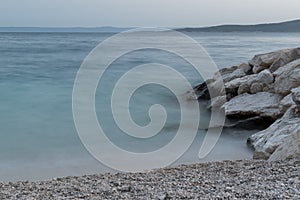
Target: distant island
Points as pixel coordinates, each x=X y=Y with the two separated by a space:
x=289 y=26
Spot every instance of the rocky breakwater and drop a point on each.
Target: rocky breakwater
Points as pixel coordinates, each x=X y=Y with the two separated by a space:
x=265 y=92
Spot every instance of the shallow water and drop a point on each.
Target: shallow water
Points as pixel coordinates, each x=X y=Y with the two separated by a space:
x=38 y=139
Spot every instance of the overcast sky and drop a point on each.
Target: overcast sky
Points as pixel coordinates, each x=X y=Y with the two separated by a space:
x=145 y=13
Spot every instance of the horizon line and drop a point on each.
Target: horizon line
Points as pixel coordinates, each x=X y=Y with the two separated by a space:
x=131 y=27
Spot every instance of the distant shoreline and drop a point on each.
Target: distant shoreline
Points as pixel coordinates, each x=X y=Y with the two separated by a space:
x=285 y=27
x=289 y=26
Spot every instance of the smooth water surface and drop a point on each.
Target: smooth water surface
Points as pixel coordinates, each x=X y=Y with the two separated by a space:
x=38 y=139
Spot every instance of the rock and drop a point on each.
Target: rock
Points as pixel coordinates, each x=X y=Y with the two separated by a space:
x=243 y=85
x=286 y=103
x=262 y=61
x=234 y=72
x=217 y=102
x=261 y=104
x=209 y=88
x=289 y=149
x=252 y=123
x=257 y=83
x=201 y=91
x=267 y=141
x=243 y=179
x=274 y=60
x=284 y=58
x=125 y=188
x=256 y=87
x=287 y=77
x=255 y=94
x=224 y=73
x=244 y=88
x=296 y=96
x=216 y=83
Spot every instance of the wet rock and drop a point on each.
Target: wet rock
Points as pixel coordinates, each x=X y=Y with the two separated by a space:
x=252 y=123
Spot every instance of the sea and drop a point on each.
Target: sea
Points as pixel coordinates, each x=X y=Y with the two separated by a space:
x=38 y=137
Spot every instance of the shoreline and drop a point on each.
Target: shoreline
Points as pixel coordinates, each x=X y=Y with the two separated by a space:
x=247 y=179
x=225 y=149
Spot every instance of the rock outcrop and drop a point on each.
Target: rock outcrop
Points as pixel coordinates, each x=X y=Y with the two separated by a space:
x=267 y=89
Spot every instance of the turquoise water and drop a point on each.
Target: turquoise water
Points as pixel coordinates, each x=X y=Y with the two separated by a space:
x=38 y=139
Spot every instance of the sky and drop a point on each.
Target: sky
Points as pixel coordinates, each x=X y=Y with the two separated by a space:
x=144 y=13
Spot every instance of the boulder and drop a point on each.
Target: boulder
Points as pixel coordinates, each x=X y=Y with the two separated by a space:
x=286 y=103
x=263 y=104
x=287 y=77
x=244 y=84
x=241 y=71
x=284 y=58
x=228 y=74
x=267 y=141
x=214 y=87
x=274 y=60
x=256 y=87
x=224 y=73
x=289 y=149
x=296 y=96
x=209 y=89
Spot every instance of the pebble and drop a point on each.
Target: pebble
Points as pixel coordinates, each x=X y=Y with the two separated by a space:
x=245 y=179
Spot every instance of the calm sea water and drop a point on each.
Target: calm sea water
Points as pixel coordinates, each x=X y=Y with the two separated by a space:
x=38 y=139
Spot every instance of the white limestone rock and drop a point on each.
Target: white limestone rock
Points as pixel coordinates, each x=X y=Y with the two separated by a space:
x=287 y=78
x=274 y=60
x=267 y=141
x=263 y=104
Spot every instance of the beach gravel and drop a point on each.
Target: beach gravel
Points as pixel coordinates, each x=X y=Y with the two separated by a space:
x=218 y=180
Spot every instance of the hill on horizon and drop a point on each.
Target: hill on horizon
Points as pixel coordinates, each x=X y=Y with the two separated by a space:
x=289 y=26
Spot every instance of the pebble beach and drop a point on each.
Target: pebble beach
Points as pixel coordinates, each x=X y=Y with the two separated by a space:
x=245 y=179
